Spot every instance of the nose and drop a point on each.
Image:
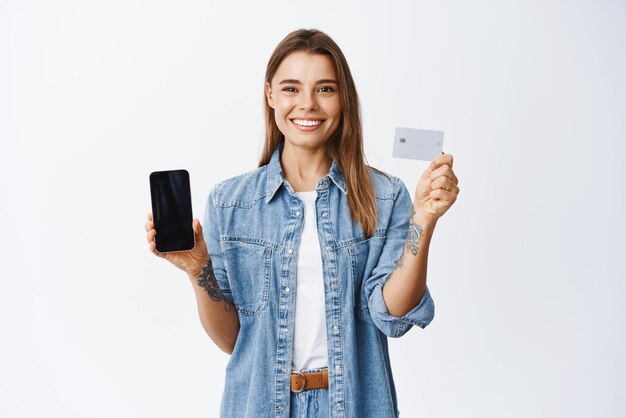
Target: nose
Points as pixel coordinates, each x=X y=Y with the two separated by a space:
x=308 y=102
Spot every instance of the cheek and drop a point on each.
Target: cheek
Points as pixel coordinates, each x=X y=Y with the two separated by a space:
x=282 y=106
x=281 y=111
x=334 y=109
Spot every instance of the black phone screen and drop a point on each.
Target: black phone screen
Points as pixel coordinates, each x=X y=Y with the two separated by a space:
x=171 y=210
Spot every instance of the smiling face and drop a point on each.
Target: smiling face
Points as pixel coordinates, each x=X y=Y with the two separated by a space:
x=304 y=94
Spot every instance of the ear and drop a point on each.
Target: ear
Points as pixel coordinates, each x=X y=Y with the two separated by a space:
x=268 y=95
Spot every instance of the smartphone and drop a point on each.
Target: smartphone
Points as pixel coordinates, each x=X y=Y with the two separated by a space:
x=171 y=210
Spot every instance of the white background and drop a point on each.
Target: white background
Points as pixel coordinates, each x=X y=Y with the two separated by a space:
x=527 y=270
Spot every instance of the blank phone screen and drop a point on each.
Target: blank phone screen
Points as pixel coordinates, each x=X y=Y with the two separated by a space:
x=171 y=210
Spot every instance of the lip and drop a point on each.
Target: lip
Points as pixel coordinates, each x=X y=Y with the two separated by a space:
x=307 y=128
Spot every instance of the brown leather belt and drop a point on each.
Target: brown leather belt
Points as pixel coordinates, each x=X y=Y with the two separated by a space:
x=311 y=380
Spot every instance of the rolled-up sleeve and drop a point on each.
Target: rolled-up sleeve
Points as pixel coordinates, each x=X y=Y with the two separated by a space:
x=212 y=237
x=397 y=326
x=395 y=237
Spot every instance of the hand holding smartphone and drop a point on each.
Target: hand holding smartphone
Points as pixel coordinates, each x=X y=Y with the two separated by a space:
x=170 y=193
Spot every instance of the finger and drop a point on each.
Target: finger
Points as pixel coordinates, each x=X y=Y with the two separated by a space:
x=150 y=217
x=454 y=189
x=150 y=235
x=444 y=170
x=441 y=160
x=434 y=164
x=153 y=250
x=149 y=226
x=443 y=195
x=444 y=183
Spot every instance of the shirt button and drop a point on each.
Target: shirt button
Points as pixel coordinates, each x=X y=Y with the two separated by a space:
x=287 y=290
x=339 y=405
x=283 y=330
x=324 y=213
x=335 y=327
x=333 y=285
x=290 y=251
x=338 y=368
x=280 y=407
x=328 y=248
x=284 y=370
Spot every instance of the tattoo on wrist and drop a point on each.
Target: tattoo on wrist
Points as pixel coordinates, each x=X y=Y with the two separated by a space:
x=412 y=240
x=208 y=282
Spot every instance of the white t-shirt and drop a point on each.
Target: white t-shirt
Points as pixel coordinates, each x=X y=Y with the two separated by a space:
x=310 y=347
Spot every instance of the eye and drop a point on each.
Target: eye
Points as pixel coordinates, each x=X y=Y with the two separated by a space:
x=327 y=89
x=289 y=89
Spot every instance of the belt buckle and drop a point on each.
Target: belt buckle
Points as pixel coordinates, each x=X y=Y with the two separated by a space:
x=299 y=373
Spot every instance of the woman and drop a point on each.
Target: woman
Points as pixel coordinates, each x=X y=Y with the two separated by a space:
x=305 y=266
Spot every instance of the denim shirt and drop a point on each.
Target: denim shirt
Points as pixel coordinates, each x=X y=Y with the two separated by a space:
x=253 y=224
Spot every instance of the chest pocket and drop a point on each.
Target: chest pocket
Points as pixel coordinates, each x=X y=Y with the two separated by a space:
x=247 y=264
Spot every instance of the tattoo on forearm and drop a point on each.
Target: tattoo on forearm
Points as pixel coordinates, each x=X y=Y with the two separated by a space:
x=208 y=282
x=412 y=240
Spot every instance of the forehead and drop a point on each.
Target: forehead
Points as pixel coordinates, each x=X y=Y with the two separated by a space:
x=304 y=66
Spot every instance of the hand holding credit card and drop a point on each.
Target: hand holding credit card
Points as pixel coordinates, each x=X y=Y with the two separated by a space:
x=437 y=188
x=417 y=144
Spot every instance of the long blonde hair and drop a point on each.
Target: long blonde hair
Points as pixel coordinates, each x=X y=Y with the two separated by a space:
x=346 y=145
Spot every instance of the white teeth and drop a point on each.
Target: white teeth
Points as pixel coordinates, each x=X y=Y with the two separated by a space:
x=303 y=122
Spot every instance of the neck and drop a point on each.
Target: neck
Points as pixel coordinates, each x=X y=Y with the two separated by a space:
x=303 y=167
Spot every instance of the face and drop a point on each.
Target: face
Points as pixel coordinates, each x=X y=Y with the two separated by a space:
x=304 y=94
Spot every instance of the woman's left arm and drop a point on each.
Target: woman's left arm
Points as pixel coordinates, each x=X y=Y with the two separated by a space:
x=435 y=193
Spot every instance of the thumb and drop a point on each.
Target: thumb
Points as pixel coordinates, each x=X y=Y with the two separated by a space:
x=197 y=229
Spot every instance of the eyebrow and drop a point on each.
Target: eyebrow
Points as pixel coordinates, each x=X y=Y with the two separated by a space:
x=323 y=81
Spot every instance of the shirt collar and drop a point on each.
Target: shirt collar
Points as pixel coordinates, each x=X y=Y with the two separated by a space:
x=337 y=177
x=275 y=176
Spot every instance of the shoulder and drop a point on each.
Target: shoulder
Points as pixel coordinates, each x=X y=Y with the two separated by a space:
x=243 y=190
x=386 y=185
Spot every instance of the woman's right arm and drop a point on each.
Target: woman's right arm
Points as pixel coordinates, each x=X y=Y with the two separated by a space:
x=218 y=315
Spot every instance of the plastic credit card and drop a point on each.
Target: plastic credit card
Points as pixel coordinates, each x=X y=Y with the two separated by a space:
x=417 y=144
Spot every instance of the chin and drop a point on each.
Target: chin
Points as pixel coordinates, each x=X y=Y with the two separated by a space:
x=307 y=142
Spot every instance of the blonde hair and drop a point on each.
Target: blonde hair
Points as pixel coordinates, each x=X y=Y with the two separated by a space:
x=346 y=145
